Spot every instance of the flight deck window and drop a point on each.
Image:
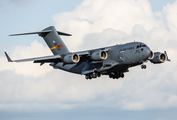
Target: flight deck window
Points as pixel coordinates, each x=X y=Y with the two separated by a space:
x=139 y=46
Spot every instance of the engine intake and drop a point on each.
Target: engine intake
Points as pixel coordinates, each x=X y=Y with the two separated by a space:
x=159 y=58
x=99 y=55
x=151 y=56
x=71 y=58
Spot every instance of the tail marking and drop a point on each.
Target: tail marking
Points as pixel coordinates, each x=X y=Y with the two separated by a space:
x=56 y=47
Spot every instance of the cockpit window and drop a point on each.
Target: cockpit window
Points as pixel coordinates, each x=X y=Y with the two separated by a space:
x=141 y=45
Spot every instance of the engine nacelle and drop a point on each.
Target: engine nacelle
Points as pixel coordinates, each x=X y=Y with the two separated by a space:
x=99 y=55
x=71 y=58
x=151 y=56
x=159 y=58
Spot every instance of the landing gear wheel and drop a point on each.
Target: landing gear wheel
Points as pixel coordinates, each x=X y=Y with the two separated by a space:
x=94 y=75
x=99 y=75
x=122 y=75
x=90 y=76
x=116 y=75
x=86 y=76
x=143 y=66
x=110 y=76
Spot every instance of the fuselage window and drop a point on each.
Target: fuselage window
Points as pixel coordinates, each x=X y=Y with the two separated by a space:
x=139 y=46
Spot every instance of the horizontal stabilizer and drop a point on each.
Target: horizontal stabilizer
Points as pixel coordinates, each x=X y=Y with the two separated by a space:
x=64 y=34
x=47 y=31
x=42 y=32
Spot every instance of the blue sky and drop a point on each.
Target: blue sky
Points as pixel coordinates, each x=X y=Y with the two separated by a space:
x=33 y=15
x=29 y=16
x=31 y=92
x=94 y=114
x=158 y=5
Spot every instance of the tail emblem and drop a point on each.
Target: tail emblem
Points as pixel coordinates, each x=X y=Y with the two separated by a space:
x=54 y=41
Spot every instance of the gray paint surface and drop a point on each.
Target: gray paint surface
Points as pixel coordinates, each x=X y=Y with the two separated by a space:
x=119 y=57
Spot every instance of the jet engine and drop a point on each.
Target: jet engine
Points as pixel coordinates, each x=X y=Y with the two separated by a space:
x=99 y=55
x=159 y=58
x=151 y=56
x=71 y=58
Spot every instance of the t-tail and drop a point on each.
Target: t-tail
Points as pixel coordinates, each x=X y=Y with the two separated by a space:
x=52 y=38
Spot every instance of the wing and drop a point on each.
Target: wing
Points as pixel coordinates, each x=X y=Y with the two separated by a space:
x=84 y=56
x=42 y=60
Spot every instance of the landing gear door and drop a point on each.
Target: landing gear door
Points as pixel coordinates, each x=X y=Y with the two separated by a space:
x=91 y=67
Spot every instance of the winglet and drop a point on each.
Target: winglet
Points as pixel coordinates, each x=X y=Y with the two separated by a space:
x=8 y=58
x=167 y=56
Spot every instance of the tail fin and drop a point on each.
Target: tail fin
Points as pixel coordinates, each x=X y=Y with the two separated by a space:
x=53 y=40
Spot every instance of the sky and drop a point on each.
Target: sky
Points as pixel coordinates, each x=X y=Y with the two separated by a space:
x=33 y=92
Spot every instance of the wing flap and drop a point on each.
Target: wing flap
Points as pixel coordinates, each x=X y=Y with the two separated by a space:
x=55 y=58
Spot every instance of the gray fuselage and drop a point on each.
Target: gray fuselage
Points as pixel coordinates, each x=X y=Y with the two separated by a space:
x=120 y=58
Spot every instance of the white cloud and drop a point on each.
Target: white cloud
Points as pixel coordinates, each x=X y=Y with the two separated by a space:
x=27 y=68
x=96 y=24
x=120 y=15
x=101 y=23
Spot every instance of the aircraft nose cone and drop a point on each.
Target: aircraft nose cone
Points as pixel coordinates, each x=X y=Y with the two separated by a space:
x=147 y=51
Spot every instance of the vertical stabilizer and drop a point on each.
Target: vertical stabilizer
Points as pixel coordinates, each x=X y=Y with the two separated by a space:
x=54 y=41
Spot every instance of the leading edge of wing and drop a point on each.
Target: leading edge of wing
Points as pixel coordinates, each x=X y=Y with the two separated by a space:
x=52 y=58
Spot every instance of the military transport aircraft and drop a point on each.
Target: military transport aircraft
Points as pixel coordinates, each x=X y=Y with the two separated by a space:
x=113 y=60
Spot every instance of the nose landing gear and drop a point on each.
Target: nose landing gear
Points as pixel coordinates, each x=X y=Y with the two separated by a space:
x=143 y=67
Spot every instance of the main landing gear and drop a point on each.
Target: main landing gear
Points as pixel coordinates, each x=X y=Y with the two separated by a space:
x=116 y=75
x=92 y=75
x=143 y=67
